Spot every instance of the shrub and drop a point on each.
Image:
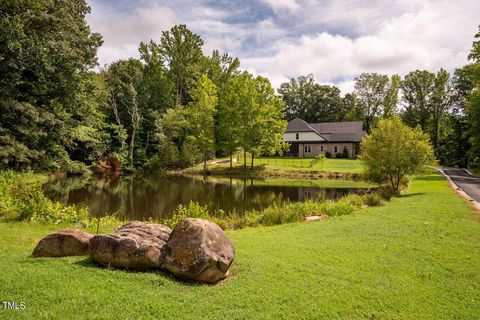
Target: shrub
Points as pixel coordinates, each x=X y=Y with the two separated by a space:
x=372 y=200
x=345 y=153
x=192 y=210
x=279 y=215
x=340 y=208
x=328 y=154
x=22 y=199
x=386 y=193
x=393 y=151
x=354 y=200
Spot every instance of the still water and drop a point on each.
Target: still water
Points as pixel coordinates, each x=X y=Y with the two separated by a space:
x=158 y=196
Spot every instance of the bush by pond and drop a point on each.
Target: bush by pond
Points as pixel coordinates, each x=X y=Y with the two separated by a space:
x=274 y=215
x=22 y=199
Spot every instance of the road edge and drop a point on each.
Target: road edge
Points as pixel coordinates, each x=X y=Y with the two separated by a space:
x=475 y=204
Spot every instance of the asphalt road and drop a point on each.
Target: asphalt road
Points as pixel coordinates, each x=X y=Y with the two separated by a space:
x=469 y=184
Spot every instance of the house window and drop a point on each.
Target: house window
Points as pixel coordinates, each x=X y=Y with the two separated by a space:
x=307 y=149
x=297 y=136
x=321 y=148
x=335 y=149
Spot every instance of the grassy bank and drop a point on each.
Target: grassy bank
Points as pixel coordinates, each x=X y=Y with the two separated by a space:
x=286 y=167
x=417 y=257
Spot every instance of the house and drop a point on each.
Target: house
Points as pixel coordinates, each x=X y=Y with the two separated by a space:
x=309 y=139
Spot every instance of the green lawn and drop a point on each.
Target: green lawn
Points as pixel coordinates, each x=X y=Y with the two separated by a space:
x=327 y=165
x=290 y=164
x=417 y=257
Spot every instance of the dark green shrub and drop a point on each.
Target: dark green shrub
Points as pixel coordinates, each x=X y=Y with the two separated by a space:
x=386 y=192
x=372 y=200
x=328 y=154
x=345 y=153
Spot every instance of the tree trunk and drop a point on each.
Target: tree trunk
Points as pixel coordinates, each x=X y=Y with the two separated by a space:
x=244 y=160
x=148 y=140
x=205 y=163
x=177 y=95
x=131 y=146
x=391 y=182
x=231 y=160
x=253 y=156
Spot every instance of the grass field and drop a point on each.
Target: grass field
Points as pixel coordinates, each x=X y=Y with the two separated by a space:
x=327 y=165
x=417 y=257
x=283 y=166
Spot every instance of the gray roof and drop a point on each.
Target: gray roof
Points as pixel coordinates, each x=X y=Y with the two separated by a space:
x=331 y=131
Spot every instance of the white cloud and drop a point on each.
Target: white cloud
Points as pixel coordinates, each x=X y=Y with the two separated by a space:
x=221 y=43
x=437 y=35
x=335 y=40
x=280 y=5
x=122 y=34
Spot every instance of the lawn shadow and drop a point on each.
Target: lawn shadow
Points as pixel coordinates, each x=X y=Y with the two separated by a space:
x=163 y=275
x=429 y=178
x=408 y=195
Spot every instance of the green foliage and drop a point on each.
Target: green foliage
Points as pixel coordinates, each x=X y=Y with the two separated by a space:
x=373 y=199
x=181 y=49
x=393 y=151
x=376 y=97
x=22 y=199
x=46 y=49
x=257 y=124
x=192 y=210
x=275 y=214
x=345 y=153
x=310 y=101
x=200 y=117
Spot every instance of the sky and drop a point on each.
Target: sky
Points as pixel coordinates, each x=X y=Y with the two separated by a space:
x=335 y=40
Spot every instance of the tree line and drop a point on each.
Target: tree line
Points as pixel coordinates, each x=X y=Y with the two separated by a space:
x=175 y=106
x=172 y=107
x=446 y=107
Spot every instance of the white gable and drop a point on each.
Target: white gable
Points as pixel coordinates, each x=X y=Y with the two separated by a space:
x=302 y=136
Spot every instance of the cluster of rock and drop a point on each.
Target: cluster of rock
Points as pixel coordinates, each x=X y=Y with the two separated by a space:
x=196 y=249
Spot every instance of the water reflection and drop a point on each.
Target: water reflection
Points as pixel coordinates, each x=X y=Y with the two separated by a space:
x=157 y=196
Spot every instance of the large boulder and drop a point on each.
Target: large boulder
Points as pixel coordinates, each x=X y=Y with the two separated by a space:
x=199 y=250
x=69 y=242
x=136 y=245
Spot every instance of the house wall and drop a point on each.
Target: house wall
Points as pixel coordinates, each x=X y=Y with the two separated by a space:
x=316 y=148
x=302 y=136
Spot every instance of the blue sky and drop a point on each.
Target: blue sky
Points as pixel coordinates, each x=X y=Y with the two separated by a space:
x=333 y=40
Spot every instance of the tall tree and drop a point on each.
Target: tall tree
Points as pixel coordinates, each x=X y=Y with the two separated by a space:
x=181 y=49
x=229 y=119
x=46 y=48
x=390 y=101
x=417 y=87
x=267 y=135
x=440 y=103
x=157 y=94
x=428 y=98
x=220 y=67
x=473 y=103
x=200 y=112
x=310 y=101
x=373 y=91
x=125 y=80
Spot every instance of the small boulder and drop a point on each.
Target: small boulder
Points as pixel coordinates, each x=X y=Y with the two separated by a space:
x=136 y=245
x=63 y=243
x=199 y=250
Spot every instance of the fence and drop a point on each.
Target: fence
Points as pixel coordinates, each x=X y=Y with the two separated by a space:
x=280 y=162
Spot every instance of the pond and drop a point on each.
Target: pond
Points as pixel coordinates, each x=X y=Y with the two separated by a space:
x=157 y=196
